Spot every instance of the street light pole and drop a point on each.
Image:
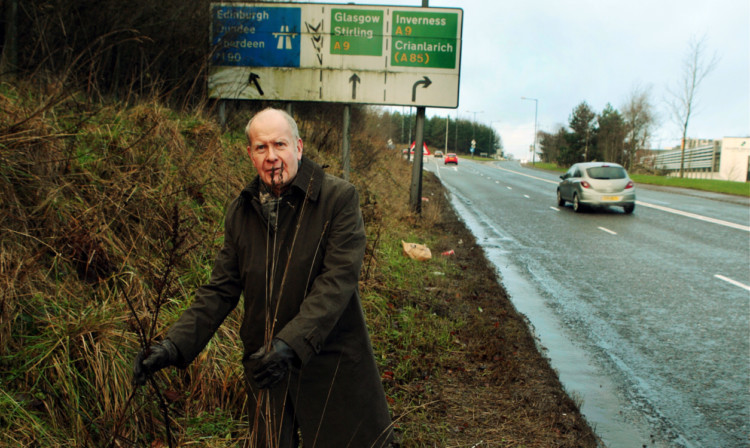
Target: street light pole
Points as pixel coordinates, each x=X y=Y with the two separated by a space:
x=455 y=144
x=473 y=123
x=473 y=130
x=536 y=104
x=447 y=124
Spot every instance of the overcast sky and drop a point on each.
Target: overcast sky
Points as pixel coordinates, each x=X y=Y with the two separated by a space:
x=599 y=51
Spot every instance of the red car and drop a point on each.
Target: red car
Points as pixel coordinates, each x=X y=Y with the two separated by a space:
x=451 y=158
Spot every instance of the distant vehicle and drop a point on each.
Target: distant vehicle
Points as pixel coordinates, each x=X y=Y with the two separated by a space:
x=451 y=158
x=438 y=153
x=596 y=184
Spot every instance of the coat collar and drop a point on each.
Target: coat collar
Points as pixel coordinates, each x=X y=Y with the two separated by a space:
x=308 y=182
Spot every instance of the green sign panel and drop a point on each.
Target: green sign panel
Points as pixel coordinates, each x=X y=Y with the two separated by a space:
x=424 y=39
x=357 y=32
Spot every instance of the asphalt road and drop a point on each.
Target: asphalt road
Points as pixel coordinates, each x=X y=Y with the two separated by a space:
x=659 y=300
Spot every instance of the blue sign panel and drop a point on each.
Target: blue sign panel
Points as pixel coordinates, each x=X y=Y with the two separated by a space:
x=249 y=36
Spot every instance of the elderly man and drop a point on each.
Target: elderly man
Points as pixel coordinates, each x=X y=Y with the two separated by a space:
x=293 y=246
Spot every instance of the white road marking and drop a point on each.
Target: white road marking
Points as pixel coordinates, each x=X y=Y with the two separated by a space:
x=555 y=209
x=528 y=175
x=734 y=282
x=437 y=170
x=607 y=230
x=509 y=188
x=527 y=196
x=694 y=216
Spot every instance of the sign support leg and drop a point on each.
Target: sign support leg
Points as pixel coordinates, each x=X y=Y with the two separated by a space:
x=345 y=143
x=223 y=114
x=416 y=174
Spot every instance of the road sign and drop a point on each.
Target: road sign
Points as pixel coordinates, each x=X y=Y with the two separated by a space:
x=336 y=53
x=424 y=39
x=357 y=33
x=263 y=37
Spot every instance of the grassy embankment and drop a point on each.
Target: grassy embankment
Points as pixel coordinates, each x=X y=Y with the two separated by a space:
x=110 y=218
x=716 y=186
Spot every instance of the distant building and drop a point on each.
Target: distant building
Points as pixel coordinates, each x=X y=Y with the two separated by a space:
x=735 y=159
x=725 y=159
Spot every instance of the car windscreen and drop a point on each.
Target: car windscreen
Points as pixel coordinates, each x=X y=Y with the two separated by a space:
x=607 y=172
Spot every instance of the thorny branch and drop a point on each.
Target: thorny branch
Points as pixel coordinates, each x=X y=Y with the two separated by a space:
x=176 y=251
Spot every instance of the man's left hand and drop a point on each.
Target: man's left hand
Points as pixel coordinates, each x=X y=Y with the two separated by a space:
x=274 y=363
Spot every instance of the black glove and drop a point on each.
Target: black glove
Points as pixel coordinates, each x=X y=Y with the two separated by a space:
x=155 y=358
x=274 y=363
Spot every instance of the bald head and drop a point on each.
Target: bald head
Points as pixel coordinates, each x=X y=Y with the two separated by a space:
x=290 y=121
x=275 y=147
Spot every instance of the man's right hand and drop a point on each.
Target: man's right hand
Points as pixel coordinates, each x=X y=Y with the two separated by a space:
x=147 y=362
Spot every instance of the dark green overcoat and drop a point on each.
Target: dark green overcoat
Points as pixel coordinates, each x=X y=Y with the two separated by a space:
x=300 y=284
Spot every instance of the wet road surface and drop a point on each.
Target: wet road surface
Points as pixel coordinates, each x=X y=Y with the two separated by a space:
x=646 y=316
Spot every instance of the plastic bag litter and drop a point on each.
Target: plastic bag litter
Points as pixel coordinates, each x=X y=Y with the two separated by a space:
x=416 y=251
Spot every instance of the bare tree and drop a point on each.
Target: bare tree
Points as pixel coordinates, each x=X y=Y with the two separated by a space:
x=682 y=103
x=638 y=114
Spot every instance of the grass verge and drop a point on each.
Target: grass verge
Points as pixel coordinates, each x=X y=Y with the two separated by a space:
x=111 y=216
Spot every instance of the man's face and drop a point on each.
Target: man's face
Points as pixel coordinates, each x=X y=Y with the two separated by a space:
x=274 y=150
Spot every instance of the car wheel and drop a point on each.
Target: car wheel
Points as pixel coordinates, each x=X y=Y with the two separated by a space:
x=629 y=208
x=577 y=206
x=560 y=200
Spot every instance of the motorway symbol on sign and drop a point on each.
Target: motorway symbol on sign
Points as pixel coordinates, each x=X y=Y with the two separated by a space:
x=255 y=36
x=284 y=37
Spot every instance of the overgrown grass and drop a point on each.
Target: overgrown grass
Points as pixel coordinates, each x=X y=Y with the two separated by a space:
x=96 y=202
x=124 y=208
x=111 y=221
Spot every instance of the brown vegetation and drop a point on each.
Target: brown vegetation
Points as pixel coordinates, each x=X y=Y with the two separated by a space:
x=110 y=217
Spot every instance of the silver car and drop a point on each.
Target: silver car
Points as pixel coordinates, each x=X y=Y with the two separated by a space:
x=596 y=184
